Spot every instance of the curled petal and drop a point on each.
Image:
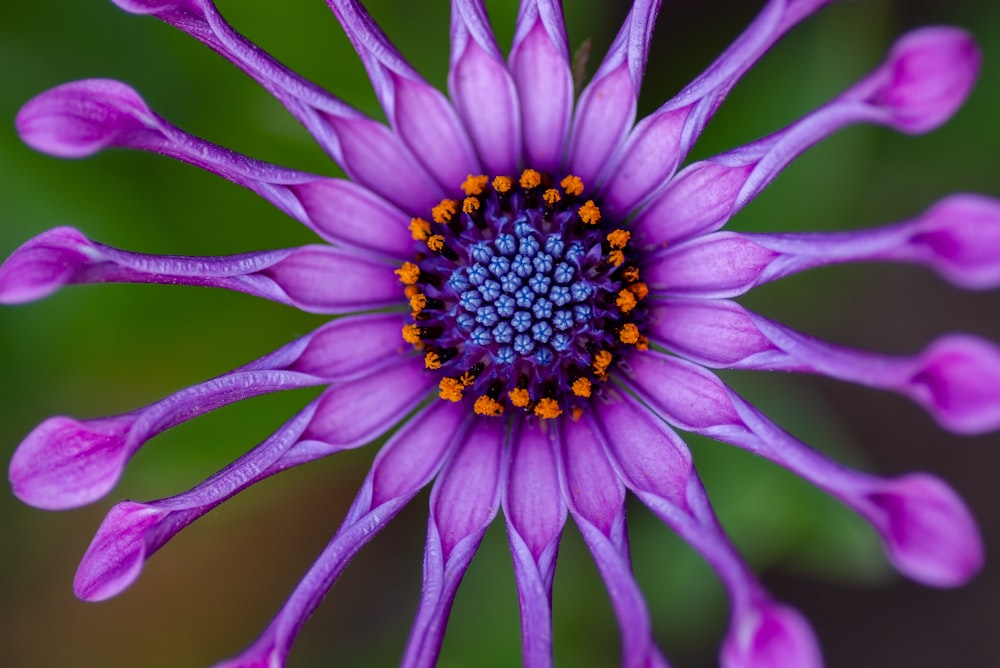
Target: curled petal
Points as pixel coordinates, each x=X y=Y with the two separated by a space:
x=901 y=522
x=956 y=379
x=367 y=150
x=539 y=63
x=706 y=194
x=83 y=117
x=421 y=115
x=959 y=237
x=483 y=89
x=930 y=534
x=65 y=463
x=132 y=532
x=298 y=277
x=772 y=636
x=606 y=109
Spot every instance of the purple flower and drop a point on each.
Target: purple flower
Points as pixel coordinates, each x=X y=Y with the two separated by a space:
x=533 y=292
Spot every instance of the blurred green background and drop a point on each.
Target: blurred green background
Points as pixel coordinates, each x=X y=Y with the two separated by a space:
x=96 y=351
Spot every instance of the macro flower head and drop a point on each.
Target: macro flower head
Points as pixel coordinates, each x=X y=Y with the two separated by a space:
x=529 y=291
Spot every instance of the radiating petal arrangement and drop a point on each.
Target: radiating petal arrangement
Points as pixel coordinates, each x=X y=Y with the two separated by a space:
x=533 y=290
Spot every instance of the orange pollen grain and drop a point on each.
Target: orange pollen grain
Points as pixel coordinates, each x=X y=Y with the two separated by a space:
x=502 y=184
x=581 y=387
x=419 y=228
x=589 y=213
x=551 y=196
x=642 y=343
x=435 y=242
x=602 y=360
x=470 y=205
x=629 y=333
x=411 y=334
x=640 y=290
x=411 y=290
x=573 y=185
x=519 y=397
x=432 y=361
x=619 y=238
x=626 y=301
x=467 y=379
x=577 y=413
x=616 y=258
x=450 y=389
x=418 y=303
x=548 y=409
x=444 y=211
x=408 y=274
x=475 y=184
x=487 y=406
x=530 y=179
x=630 y=274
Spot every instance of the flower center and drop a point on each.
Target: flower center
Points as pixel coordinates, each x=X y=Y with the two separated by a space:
x=525 y=297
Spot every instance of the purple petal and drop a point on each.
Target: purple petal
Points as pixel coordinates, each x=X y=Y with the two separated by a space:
x=298 y=277
x=931 y=73
x=64 y=463
x=132 y=532
x=539 y=62
x=83 y=117
x=679 y=499
x=956 y=379
x=930 y=534
x=659 y=143
x=959 y=237
x=404 y=465
x=535 y=512
x=773 y=636
x=420 y=114
x=368 y=151
x=464 y=501
x=483 y=89
x=649 y=456
x=664 y=383
x=606 y=109
x=359 y=411
x=596 y=498
x=705 y=195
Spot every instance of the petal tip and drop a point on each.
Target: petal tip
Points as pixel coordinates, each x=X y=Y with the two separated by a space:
x=929 y=533
x=959 y=383
x=81 y=118
x=771 y=636
x=931 y=72
x=64 y=463
x=117 y=553
x=42 y=265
